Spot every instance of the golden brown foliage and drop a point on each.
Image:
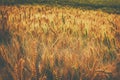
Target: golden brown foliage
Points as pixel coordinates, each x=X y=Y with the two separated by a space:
x=59 y=43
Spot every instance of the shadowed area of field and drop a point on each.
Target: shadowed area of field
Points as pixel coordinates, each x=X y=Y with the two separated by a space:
x=110 y=6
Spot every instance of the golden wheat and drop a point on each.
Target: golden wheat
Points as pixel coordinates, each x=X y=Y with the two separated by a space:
x=59 y=43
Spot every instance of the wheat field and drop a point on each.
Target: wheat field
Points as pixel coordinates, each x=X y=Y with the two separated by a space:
x=58 y=43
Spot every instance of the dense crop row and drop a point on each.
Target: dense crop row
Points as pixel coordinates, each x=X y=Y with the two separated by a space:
x=58 y=43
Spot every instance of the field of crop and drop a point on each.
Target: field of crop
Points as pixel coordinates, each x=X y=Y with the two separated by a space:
x=58 y=43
